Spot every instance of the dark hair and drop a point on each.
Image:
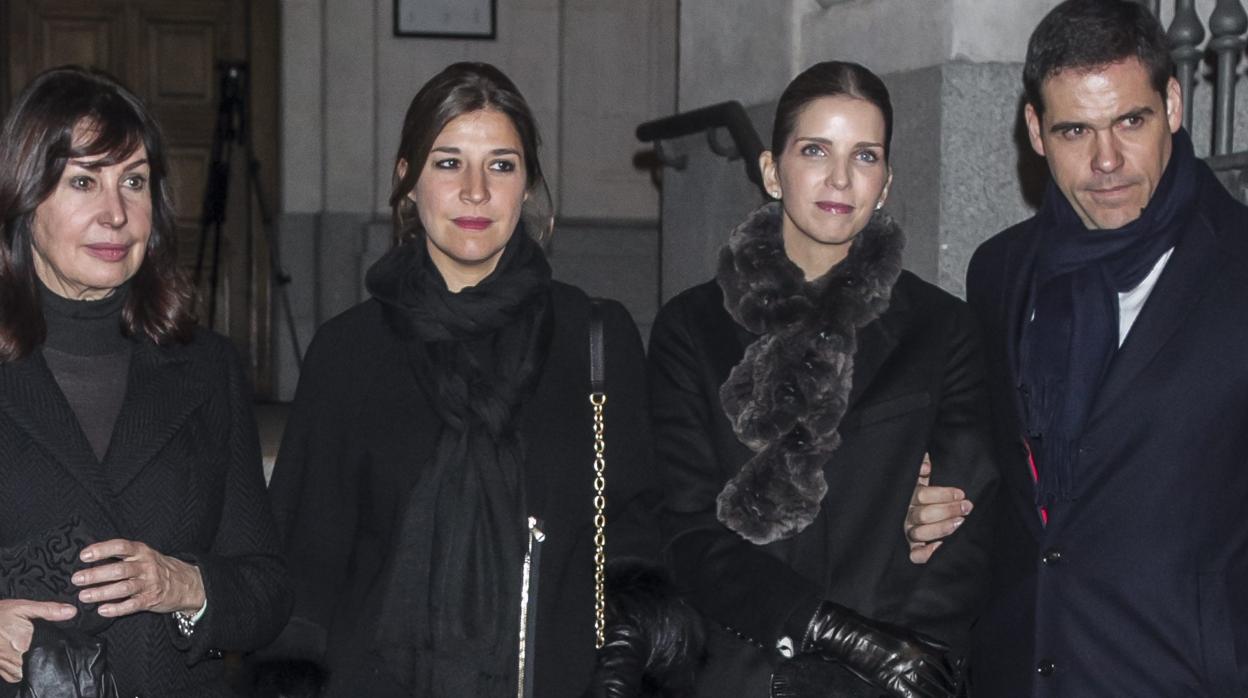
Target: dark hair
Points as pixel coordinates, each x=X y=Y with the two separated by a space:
x=36 y=142
x=463 y=88
x=1088 y=34
x=829 y=79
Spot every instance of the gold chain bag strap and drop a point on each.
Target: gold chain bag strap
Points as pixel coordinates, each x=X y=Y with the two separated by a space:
x=598 y=401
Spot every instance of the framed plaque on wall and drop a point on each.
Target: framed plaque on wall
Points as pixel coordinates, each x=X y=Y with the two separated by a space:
x=445 y=19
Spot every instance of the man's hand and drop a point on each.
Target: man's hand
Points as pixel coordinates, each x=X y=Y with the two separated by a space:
x=934 y=514
x=17 y=628
x=140 y=579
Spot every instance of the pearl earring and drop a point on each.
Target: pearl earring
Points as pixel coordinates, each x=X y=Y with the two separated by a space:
x=879 y=205
x=774 y=194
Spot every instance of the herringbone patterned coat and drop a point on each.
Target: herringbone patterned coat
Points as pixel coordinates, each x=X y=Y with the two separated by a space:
x=182 y=474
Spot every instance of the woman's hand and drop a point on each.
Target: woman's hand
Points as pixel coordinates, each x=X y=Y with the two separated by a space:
x=17 y=628
x=620 y=663
x=905 y=663
x=141 y=579
x=934 y=514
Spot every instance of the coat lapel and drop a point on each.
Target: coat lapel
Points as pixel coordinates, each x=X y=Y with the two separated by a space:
x=1178 y=290
x=1017 y=298
x=30 y=397
x=160 y=393
x=1020 y=262
x=875 y=343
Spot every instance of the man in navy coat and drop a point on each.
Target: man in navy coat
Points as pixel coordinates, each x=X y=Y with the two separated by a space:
x=1117 y=327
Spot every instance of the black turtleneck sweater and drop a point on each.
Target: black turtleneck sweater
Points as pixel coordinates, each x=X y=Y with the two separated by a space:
x=90 y=359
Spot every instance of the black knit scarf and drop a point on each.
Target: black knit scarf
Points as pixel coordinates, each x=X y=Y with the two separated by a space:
x=448 y=618
x=787 y=396
x=1072 y=335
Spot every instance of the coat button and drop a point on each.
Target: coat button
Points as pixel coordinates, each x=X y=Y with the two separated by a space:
x=1051 y=556
x=1046 y=667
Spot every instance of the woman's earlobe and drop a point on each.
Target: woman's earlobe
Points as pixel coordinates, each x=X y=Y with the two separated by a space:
x=767 y=168
x=888 y=185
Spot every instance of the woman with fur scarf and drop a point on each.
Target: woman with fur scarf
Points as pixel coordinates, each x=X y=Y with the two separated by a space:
x=794 y=398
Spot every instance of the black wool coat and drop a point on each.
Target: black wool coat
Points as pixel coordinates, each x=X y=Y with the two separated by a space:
x=362 y=431
x=917 y=387
x=182 y=474
x=1137 y=587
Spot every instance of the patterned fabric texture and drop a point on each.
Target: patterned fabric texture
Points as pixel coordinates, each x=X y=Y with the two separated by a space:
x=182 y=475
x=39 y=570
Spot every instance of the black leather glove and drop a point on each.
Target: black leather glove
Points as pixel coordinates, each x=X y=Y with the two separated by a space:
x=621 y=664
x=902 y=662
x=65 y=663
x=653 y=639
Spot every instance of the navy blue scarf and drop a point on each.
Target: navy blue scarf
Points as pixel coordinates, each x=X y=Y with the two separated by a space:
x=1072 y=335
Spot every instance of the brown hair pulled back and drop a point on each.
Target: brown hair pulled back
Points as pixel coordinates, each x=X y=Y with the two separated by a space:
x=463 y=88
x=829 y=79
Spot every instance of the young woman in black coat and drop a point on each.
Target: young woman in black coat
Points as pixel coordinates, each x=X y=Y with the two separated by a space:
x=134 y=525
x=794 y=398
x=437 y=425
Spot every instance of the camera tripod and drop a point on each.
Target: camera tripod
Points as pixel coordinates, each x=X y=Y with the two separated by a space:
x=232 y=130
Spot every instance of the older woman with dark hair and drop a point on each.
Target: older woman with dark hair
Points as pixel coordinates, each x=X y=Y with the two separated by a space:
x=441 y=432
x=133 y=520
x=795 y=396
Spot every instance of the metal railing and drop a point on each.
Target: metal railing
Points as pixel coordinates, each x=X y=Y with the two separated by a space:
x=730 y=116
x=1227 y=24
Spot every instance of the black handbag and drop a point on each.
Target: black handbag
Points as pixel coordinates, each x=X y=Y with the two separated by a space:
x=811 y=676
x=65 y=660
x=633 y=594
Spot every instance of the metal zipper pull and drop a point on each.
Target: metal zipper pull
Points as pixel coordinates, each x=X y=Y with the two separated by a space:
x=528 y=608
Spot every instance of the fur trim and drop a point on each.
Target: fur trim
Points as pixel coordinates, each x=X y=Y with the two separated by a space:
x=787 y=396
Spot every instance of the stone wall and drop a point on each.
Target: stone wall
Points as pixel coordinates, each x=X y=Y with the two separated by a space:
x=594 y=69
x=963 y=167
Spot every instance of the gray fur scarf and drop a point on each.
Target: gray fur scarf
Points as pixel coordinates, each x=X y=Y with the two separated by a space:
x=787 y=396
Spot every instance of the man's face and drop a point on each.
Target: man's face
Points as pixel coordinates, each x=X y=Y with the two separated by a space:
x=1106 y=136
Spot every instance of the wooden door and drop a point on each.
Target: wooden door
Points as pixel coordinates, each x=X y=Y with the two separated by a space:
x=168 y=53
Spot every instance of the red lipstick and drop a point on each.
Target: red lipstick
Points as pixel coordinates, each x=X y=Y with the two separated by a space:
x=472 y=222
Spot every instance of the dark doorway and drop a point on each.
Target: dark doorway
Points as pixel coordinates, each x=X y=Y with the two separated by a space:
x=167 y=52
